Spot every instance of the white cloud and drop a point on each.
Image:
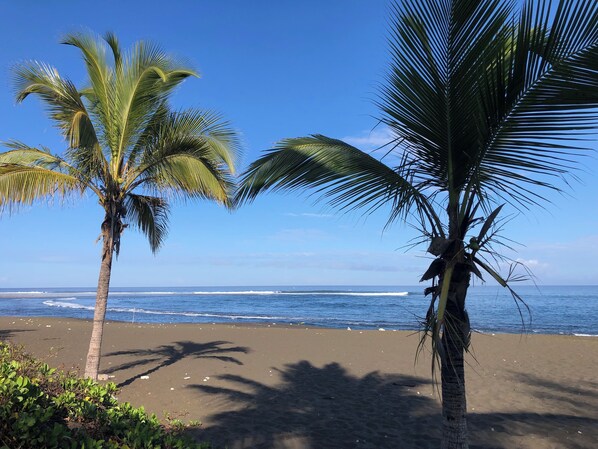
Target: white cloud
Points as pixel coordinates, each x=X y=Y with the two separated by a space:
x=562 y=262
x=369 y=140
x=532 y=263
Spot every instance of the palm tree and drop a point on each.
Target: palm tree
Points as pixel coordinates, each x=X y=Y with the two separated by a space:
x=124 y=144
x=484 y=99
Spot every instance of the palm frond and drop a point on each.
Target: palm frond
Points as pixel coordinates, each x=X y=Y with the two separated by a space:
x=114 y=45
x=25 y=184
x=540 y=102
x=147 y=79
x=215 y=136
x=204 y=133
x=340 y=173
x=23 y=154
x=183 y=175
x=189 y=152
x=67 y=109
x=101 y=80
x=481 y=93
x=150 y=215
x=62 y=99
x=438 y=49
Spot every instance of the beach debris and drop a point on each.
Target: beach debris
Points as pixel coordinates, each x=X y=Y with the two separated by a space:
x=382 y=329
x=171 y=389
x=48 y=325
x=187 y=377
x=348 y=328
x=205 y=379
x=144 y=377
x=103 y=376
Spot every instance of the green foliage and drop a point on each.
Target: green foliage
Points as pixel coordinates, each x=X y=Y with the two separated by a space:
x=41 y=407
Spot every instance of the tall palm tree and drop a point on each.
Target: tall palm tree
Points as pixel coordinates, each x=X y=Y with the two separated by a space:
x=124 y=144
x=484 y=99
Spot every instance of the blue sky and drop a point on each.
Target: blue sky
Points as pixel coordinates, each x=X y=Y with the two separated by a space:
x=274 y=69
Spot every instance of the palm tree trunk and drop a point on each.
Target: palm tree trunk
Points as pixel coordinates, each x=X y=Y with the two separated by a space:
x=455 y=339
x=92 y=365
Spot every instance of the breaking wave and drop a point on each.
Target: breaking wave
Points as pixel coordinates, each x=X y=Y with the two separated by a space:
x=70 y=305
x=301 y=293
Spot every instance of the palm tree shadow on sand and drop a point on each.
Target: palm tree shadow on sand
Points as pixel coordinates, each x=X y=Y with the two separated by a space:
x=322 y=408
x=327 y=407
x=7 y=334
x=573 y=425
x=166 y=355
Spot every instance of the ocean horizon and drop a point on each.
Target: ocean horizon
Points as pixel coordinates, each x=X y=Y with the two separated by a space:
x=569 y=310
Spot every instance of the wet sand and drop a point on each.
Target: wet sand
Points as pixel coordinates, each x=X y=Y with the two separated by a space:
x=310 y=388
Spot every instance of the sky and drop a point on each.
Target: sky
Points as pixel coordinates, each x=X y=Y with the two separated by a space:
x=275 y=69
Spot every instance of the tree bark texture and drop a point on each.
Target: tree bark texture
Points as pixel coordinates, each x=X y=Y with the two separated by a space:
x=92 y=365
x=455 y=339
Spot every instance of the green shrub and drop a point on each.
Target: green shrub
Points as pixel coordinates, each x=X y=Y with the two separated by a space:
x=41 y=407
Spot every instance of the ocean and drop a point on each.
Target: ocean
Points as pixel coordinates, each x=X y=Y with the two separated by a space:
x=569 y=310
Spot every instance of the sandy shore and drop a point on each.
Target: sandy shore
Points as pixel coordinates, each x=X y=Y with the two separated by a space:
x=306 y=388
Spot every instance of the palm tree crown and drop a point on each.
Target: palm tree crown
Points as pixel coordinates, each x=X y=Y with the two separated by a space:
x=124 y=144
x=488 y=104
